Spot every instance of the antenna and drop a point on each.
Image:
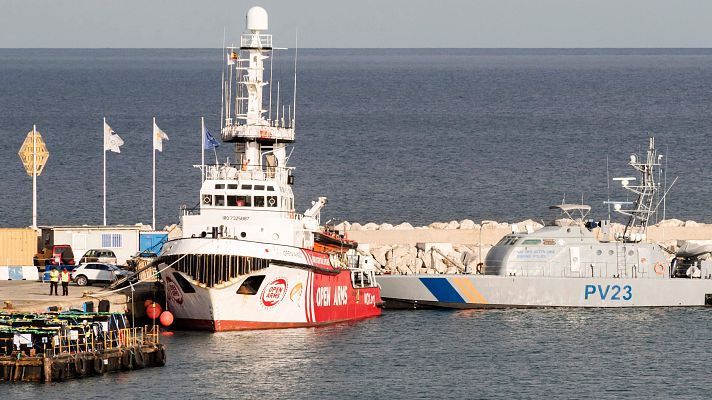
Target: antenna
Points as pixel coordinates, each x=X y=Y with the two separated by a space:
x=271 y=61
x=222 y=85
x=665 y=180
x=277 y=118
x=608 y=182
x=296 y=52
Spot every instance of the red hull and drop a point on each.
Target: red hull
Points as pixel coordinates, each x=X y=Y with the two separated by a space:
x=227 y=325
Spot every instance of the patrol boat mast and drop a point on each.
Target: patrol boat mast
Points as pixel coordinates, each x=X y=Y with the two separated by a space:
x=642 y=209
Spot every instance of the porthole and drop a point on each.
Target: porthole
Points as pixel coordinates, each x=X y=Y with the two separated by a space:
x=243 y=235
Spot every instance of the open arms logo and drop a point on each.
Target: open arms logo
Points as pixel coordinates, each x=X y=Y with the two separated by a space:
x=274 y=292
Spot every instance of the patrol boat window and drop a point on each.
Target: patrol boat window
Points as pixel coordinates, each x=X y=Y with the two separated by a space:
x=507 y=241
x=259 y=187
x=259 y=201
x=232 y=186
x=219 y=201
x=246 y=187
x=219 y=186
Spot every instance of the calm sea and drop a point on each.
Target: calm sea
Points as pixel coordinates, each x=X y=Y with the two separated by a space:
x=387 y=136
x=513 y=354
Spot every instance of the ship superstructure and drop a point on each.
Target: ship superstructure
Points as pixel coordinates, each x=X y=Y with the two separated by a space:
x=247 y=259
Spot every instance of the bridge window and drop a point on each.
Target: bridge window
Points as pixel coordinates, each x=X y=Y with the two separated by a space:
x=531 y=242
x=244 y=201
x=219 y=186
x=259 y=187
x=251 y=285
x=232 y=186
x=270 y=188
x=247 y=187
x=259 y=201
x=271 y=201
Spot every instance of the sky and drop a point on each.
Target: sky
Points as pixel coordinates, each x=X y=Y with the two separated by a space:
x=359 y=23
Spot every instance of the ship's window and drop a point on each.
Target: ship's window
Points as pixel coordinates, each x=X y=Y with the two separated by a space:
x=259 y=201
x=246 y=187
x=507 y=241
x=502 y=241
x=232 y=201
x=232 y=186
x=185 y=286
x=599 y=252
x=259 y=187
x=251 y=285
x=610 y=252
x=219 y=186
x=272 y=201
x=244 y=201
x=220 y=201
x=531 y=242
x=270 y=188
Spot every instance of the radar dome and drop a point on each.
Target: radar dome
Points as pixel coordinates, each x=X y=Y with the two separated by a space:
x=257 y=19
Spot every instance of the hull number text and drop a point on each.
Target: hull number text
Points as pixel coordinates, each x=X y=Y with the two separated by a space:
x=609 y=292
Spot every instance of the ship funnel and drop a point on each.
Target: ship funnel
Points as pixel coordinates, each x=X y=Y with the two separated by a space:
x=256 y=19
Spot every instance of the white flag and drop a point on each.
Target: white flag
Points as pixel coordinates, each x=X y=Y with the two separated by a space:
x=158 y=137
x=112 y=141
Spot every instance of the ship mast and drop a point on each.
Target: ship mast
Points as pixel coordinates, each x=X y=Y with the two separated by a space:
x=260 y=143
x=642 y=209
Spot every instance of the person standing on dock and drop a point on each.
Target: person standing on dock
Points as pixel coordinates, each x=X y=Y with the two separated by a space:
x=65 y=283
x=53 y=279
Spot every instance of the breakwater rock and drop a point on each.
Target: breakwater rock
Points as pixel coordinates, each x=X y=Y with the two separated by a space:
x=459 y=246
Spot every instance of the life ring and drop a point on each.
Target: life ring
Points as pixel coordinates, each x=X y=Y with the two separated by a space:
x=271 y=201
x=658 y=268
x=207 y=199
x=479 y=268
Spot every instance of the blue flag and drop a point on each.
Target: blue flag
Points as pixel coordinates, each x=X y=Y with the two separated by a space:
x=210 y=141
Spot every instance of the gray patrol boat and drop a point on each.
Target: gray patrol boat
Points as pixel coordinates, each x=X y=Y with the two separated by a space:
x=574 y=262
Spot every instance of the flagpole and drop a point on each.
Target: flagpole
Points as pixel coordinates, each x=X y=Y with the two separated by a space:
x=202 y=148
x=153 y=146
x=34 y=176
x=104 y=152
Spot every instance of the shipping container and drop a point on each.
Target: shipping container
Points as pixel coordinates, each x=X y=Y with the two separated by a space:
x=17 y=246
x=152 y=241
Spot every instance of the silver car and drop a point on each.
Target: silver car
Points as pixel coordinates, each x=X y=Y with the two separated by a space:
x=104 y=256
x=89 y=273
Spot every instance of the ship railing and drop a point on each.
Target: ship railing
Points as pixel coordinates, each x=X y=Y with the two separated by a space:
x=88 y=341
x=248 y=172
x=195 y=210
x=255 y=41
x=273 y=131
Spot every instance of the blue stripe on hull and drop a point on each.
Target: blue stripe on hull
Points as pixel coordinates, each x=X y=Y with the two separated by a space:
x=442 y=290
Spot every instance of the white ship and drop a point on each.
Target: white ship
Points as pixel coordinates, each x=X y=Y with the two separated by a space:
x=575 y=264
x=246 y=259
